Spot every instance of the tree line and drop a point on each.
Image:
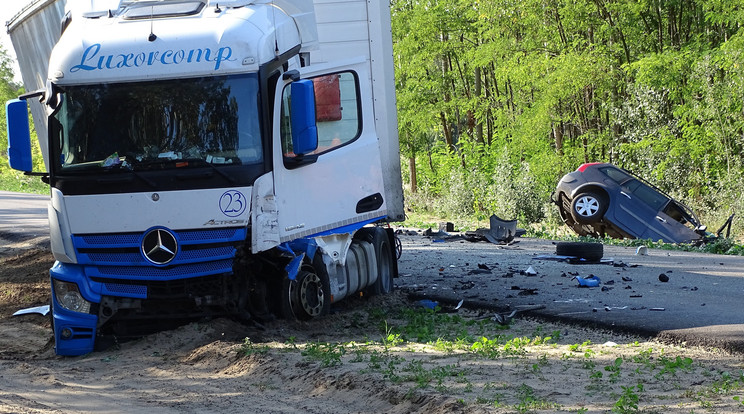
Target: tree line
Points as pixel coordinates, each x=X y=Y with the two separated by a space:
x=499 y=98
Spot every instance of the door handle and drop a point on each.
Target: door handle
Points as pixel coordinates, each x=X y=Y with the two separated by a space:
x=661 y=219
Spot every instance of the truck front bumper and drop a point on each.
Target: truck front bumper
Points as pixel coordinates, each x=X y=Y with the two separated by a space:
x=74 y=332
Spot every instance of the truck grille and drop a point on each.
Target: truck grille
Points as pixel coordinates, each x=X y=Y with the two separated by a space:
x=119 y=256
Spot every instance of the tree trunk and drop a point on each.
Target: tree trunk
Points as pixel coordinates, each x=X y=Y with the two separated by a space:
x=478 y=123
x=446 y=131
x=558 y=134
x=412 y=172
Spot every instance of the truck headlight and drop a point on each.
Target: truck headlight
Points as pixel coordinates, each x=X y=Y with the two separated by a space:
x=68 y=295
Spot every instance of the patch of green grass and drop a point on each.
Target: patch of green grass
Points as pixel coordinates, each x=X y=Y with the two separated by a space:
x=614 y=369
x=582 y=347
x=542 y=361
x=487 y=348
x=529 y=402
x=670 y=366
x=628 y=401
x=449 y=347
x=644 y=357
x=249 y=348
x=326 y=353
x=427 y=326
x=727 y=384
x=391 y=339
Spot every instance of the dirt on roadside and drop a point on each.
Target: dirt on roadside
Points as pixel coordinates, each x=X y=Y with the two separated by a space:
x=379 y=354
x=24 y=283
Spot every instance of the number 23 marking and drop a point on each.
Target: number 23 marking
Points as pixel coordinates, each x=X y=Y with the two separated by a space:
x=232 y=203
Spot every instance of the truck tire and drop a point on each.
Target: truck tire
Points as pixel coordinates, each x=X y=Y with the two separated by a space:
x=591 y=252
x=306 y=297
x=384 y=256
x=378 y=237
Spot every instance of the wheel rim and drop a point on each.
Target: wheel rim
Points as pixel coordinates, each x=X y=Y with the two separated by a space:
x=312 y=297
x=587 y=206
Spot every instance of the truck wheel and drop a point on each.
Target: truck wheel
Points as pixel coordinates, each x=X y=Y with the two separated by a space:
x=588 y=208
x=306 y=297
x=384 y=257
x=591 y=252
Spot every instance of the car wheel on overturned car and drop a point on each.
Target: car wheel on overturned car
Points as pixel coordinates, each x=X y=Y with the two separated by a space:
x=588 y=208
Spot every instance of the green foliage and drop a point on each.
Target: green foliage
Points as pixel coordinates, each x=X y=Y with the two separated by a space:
x=497 y=100
x=529 y=402
x=614 y=369
x=11 y=180
x=327 y=354
x=628 y=401
x=426 y=326
x=249 y=348
x=670 y=367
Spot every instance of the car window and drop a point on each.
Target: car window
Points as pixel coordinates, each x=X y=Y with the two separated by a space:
x=615 y=175
x=646 y=194
x=679 y=213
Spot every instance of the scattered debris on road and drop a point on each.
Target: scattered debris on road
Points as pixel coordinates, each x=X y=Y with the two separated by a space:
x=501 y=232
x=589 y=281
x=41 y=310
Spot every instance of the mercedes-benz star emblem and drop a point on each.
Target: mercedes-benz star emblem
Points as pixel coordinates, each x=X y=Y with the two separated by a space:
x=159 y=246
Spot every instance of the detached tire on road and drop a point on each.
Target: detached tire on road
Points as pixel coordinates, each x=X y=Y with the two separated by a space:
x=591 y=252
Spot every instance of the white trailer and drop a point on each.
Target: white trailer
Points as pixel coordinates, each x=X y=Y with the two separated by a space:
x=212 y=157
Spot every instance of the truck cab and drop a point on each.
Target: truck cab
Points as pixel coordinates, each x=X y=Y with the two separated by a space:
x=214 y=158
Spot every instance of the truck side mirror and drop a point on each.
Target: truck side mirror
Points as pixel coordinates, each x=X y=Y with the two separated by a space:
x=304 y=129
x=19 y=135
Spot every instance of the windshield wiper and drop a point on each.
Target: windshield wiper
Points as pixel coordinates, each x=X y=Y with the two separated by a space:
x=119 y=168
x=179 y=164
x=198 y=162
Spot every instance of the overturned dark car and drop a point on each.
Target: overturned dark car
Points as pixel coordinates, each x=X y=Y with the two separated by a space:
x=603 y=200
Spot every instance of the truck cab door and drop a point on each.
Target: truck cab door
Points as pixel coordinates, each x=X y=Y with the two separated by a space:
x=338 y=184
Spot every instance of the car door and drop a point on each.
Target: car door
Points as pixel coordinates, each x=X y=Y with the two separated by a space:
x=649 y=205
x=674 y=222
x=636 y=210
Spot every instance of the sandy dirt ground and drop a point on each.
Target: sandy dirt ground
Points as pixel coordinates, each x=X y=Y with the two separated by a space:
x=380 y=354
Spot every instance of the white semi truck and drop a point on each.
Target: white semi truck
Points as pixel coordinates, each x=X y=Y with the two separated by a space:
x=209 y=157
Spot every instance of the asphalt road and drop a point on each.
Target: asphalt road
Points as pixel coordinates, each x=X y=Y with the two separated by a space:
x=23 y=216
x=699 y=304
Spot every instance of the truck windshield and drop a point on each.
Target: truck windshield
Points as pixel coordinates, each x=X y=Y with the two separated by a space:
x=158 y=124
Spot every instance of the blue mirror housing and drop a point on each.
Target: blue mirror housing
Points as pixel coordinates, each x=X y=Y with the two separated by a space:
x=19 y=135
x=304 y=129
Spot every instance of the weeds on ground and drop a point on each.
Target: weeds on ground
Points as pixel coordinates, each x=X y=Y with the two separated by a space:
x=428 y=350
x=249 y=348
